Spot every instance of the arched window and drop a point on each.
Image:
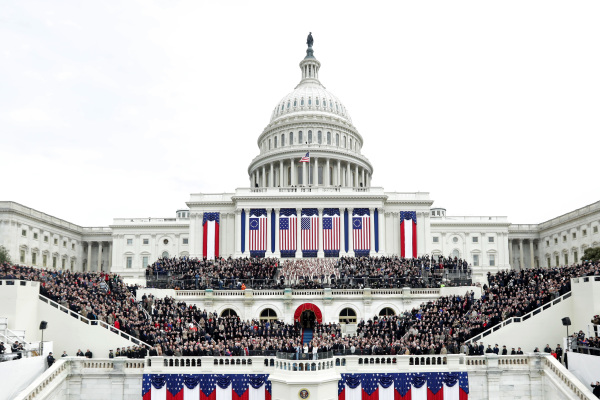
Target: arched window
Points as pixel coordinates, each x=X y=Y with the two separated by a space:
x=309 y=101
x=295 y=102
x=288 y=106
x=165 y=254
x=330 y=104
x=269 y=144
x=317 y=101
x=324 y=103
x=268 y=314
x=456 y=253
x=302 y=101
x=282 y=139
x=300 y=137
x=348 y=316
x=336 y=107
x=319 y=137
x=344 y=142
x=282 y=107
x=350 y=144
x=337 y=139
x=228 y=312
x=309 y=136
x=387 y=312
x=328 y=137
x=291 y=138
x=275 y=142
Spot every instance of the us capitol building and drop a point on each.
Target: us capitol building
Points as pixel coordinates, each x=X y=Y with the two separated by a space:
x=310 y=164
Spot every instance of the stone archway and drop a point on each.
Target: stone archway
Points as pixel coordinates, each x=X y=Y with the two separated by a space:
x=308 y=307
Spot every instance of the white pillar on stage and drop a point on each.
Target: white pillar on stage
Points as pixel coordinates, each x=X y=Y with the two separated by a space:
x=277 y=252
x=320 y=253
x=381 y=220
x=350 y=233
x=272 y=176
x=88 y=264
x=299 y=233
x=342 y=231
x=372 y=229
x=281 y=169
x=328 y=181
x=246 y=232
x=338 y=181
x=99 y=256
x=238 y=233
x=268 y=252
x=264 y=177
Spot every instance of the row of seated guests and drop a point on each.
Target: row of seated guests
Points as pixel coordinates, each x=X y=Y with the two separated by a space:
x=175 y=327
x=342 y=273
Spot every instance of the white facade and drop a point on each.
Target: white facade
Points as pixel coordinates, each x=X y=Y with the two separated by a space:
x=338 y=176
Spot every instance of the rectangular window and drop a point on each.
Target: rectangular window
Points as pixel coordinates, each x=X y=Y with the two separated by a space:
x=55 y=242
x=54 y=262
x=145 y=241
x=64 y=243
x=557 y=261
x=575 y=258
x=595 y=229
x=548 y=245
x=584 y=232
x=73 y=246
x=71 y=265
x=185 y=240
x=34 y=258
x=129 y=242
x=129 y=262
x=548 y=262
x=566 y=259
x=300 y=137
x=476 y=260
x=436 y=239
x=574 y=235
x=35 y=235
x=328 y=137
x=24 y=232
x=22 y=258
x=490 y=239
x=46 y=239
x=475 y=239
x=564 y=238
x=492 y=260
x=555 y=240
x=291 y=138
x=144 y=261
x=44 y=260
x=64 y=262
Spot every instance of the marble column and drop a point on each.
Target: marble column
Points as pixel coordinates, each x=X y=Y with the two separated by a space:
x=356 y=176
x=110 y=249
x=531 y=254
x=268 y=252
x=294 y=181
x=342 y=231
x=277 y=252
x=510 y=253
x=381 y=231
x=320 y=252
x=339 y=174
x=272 y=176
x=521 y=265
x=362 y=172
x=99 y=256
x=246 y=232
x=299 y=233
x=372 y=228
x=348 y=175
x=238 y=232
x=88 y=264
x=327 y=182
x=316 y=172
x=264 y=177
x=281 y=174
x=350 y=234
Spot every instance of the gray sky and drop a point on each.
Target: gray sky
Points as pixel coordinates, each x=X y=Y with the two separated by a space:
x=123 y=108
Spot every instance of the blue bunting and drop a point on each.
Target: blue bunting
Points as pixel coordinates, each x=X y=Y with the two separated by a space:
x=190 y=381
x=450 y=379
x=419 y=380
x=223 y=382
x=353 y=381
x=158 y=381
x=257 y=382
x=386 y=381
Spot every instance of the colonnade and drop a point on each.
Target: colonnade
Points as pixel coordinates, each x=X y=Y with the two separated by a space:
x=335 y=172
x=521 y=250
x=87 y=264
x=377 y=244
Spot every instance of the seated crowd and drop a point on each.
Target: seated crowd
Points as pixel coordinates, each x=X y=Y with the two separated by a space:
x=176 y=328
x=308 y=273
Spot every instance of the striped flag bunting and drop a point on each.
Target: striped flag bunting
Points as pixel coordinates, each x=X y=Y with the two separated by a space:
x=361 y=231
x=288 y=229
x=310 y=232
x=331 y=232
x=258 y=232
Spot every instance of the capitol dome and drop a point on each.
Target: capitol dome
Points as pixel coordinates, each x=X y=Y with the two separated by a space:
x=310 y=119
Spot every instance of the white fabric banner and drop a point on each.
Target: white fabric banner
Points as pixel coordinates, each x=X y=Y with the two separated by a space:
x=353 y=394
x=386 y=393
x=210 y=240
x=408 y=238
x=224 y=394
x=256 y=394
x=451 y=393
x=158 y=394
x=584 y=367
x=418 y=394
x=191 y=394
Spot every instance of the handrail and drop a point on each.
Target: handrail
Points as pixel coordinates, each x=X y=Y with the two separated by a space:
x=53 y=375
x=103 y=324
x=567 y=379
x=519 y=319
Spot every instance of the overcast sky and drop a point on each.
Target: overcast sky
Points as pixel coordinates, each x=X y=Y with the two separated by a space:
x=123 y=108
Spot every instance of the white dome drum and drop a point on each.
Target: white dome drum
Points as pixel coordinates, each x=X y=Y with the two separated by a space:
x=311 y=120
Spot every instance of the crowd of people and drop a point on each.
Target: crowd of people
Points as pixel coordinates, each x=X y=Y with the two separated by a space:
x=308 y=273
x=174 y=328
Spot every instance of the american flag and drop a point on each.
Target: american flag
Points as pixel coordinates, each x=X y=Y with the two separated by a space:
x=258 y=230
x=205 y=386
x=310 y=229
x=331 y=229
x=361 y=229
x=404 y=386
x=306 y=158
x=287 y=229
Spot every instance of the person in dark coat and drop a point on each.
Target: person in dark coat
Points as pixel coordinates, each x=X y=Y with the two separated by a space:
x=50 y=359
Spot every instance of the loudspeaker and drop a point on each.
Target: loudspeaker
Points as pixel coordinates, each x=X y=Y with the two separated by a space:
x=566 y=321
x=43 y=325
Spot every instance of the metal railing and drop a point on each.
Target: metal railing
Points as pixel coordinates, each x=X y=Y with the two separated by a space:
x=519 y=319
x=99 y=323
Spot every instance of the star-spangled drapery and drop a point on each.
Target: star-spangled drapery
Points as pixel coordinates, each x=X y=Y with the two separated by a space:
x=331 y=232
x=206 y=387
x=210 y=240
x=404 y=386
x=258 y=232
x=408 y=234
x=287 y=232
